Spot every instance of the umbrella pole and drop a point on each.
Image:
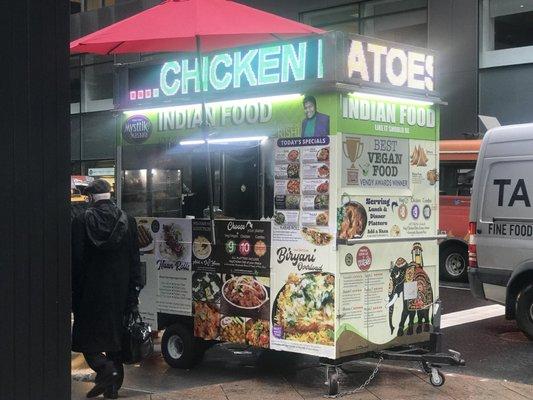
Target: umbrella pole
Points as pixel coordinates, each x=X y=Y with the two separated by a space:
x=205 y=134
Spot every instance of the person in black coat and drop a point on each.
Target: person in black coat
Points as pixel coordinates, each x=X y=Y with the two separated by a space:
x=106 y=281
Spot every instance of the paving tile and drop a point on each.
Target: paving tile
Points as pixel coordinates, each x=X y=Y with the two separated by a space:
x=264 y=389
x=212 y=392
x=472 y=388
x=522 y=389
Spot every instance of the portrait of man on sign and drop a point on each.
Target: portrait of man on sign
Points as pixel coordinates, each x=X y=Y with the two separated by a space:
x=314 y=124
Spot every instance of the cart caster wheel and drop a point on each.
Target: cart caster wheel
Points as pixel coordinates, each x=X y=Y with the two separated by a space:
x=436 y=378
x=333 y=383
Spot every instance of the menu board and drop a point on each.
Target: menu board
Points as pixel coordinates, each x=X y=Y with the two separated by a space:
x=302 y=178
x=381 y=286
x=165 y=247
x=379 y=216
x=375 y=162
x=303 y=306
x=231 y=281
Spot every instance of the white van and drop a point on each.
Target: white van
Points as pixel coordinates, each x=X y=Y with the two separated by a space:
x=501 y=223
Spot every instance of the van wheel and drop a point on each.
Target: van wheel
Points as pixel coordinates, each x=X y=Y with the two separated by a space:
x=524 y=311
x=453 y=263
x=178 y=346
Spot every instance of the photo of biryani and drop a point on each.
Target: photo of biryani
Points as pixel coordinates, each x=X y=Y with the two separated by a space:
x=232 y=330
x=305 y=308
x=206 y=320
x=352 y=221
x=323 y=171
x=260 y=248
x=316 y=237
x=244 y=292
x=201 y=247
x=322 y=219
x=323 y=154
x=258 y=333
x=293 y=170
x=293 y=186
x=293 y=155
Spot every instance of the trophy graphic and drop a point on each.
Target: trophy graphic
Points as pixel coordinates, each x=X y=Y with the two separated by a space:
x=352 y=148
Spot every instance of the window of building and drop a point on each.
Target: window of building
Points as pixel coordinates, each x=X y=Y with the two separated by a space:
x=403 y=21
x=506 y=31
x=75 y=6
x=97 y=87
x=342 y=18
x=98 y=134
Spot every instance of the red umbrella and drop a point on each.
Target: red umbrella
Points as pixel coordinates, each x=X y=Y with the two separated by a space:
x=191 y=25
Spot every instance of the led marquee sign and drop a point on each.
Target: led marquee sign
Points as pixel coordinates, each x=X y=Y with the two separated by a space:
x=385 y=63
x=226 y=71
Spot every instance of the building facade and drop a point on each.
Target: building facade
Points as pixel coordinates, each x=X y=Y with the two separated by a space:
x=485 y=53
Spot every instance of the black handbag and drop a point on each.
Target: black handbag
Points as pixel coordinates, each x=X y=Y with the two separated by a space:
x=137 y=342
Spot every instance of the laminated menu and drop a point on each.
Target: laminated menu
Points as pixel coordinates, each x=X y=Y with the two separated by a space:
x=301 y=191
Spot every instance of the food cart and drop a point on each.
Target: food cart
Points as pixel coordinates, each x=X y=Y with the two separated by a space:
x=323 y=156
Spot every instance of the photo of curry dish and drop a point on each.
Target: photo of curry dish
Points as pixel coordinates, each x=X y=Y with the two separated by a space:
x=293 y=186
x=305 y=308
x=352 y=221
x=244 y=292
x=258 y=333
x=323 y=171
x=293 y=155
x=206 y=320
x=323 y=187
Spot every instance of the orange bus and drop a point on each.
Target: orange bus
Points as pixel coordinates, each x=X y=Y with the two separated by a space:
x=457 y=164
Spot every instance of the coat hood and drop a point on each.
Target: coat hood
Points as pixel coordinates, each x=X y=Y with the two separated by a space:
x=105 y=224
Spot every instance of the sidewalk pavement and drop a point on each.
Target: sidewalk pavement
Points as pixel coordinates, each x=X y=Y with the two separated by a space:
x=391 y=383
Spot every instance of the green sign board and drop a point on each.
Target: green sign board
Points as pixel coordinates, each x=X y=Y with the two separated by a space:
x=276 y=116
x=283 y=117
x=382 y=116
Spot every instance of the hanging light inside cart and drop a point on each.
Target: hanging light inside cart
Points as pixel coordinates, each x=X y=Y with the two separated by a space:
x=225 y=140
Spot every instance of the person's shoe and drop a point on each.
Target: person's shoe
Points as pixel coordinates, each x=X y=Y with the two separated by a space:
x=103 y=384
x=111 y=392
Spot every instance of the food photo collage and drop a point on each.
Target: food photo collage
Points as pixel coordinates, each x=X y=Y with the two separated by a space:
x=231 y=282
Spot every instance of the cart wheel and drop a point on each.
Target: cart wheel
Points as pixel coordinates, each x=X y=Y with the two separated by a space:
x=178 y=346
x=436 y=378
x=333 y=383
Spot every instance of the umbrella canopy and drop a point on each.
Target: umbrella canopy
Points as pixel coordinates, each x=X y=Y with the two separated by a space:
x=191 y=25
